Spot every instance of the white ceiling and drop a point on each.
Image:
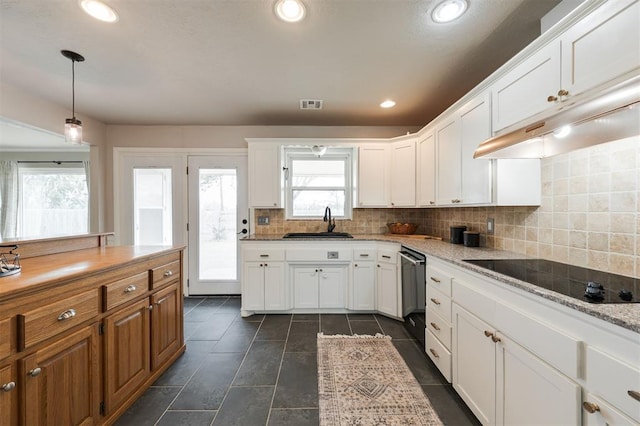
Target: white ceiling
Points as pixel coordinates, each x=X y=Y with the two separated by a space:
x=231 y=62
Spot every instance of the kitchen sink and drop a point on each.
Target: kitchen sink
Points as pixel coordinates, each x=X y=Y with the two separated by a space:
x=317 y=235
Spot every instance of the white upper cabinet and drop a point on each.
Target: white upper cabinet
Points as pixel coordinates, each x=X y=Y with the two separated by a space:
x=426 y=170
x=475 y=127
x=403 y=174
x=264 y=176
x=374 y=175
x=525 y=90
x=448 y=156
x=602 y=46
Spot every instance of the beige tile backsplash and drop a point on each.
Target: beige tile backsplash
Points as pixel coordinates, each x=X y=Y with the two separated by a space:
x=588 y=216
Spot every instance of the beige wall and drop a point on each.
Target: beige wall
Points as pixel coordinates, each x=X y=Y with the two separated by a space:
x=588 y=216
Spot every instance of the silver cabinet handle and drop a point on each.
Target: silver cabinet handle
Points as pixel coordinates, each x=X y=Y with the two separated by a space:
x=150 y=308
x=432 y=203
x=436 y=301
x=591 y=407
x=68 y=314
x=8 y=387
x=435 y=280
x=634 y=394
x=130 y=288
x=435 y=354
x=364 y=255
x=264 y=255
x=168 y=273
x=456 y=201
x=386 y=257
x=35 y=372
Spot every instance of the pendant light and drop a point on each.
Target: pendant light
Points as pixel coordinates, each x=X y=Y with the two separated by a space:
x=73 y=126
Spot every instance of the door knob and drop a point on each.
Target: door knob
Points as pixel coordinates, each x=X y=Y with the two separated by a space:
x=35 y=372
x=244 y=221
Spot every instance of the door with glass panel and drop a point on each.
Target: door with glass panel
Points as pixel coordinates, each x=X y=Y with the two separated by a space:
x=218 y=215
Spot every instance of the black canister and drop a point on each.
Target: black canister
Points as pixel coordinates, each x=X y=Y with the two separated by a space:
x=471 y=239
x=457 y=234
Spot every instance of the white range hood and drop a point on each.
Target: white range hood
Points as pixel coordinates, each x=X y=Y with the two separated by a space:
x=594 y=117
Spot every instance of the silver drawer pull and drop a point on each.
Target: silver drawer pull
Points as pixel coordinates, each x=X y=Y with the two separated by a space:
x=130 y=288
x=435 y=280
x=68 y=314
x=35 y=372
x=364 y=255
x=386 y=257
x=436 y=301
x=168 y=273
x=435 y=326
x=8 y=387
x=264 y=255
x=634 y=394
x=435 y=354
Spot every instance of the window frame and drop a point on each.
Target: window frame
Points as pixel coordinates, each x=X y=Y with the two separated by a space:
x=332 y=154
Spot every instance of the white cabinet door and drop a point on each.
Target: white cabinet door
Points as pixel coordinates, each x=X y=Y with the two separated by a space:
x=427 y=171
x=403 y=174
x=387 y=289
x=363 y=287
x=601 y=47
x=305 y=287
x=253 y=286
x=529 y=391
x=449 y=161
x=373 y=176
x=264 y=176
x=332 y=286
x=475 y=127
x=524 y=90
x=474 y=364
x=276 y=296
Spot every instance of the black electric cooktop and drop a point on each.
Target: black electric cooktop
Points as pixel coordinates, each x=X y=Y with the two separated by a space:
x=585 y=284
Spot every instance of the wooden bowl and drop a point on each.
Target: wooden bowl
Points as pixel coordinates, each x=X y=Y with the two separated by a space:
x=402 y=228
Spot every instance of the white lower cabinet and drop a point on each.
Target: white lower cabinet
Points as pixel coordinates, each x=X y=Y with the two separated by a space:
x=319 y=286
x=363 y=292
x=600 y=413
x=503 y=383
x=264 y=286
x=387 y=283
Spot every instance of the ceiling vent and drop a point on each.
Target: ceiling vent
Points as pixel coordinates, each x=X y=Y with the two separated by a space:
x=310 y=104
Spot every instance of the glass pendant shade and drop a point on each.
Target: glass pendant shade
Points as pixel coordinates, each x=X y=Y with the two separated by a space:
x=73 y=131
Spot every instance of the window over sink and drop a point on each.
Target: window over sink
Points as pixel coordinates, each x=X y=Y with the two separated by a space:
x=314 y=182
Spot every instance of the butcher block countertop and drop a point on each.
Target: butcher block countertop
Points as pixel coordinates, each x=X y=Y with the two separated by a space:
x=625 y=315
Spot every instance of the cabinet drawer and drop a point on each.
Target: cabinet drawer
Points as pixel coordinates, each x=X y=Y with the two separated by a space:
x=258 y=255
x=364 y=254
x=439 y=279
x=612 y=380
x=440 y=328
x=119 y=292
x=440 y=356
x=40 y=324
x=164 y=274
x=439 y=303
x=387 y=256
x=606 y=414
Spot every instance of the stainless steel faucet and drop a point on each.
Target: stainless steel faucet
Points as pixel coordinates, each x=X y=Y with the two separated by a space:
x=327 y=218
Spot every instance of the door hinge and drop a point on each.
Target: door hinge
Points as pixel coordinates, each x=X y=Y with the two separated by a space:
x=102 y=409
x=101 y=329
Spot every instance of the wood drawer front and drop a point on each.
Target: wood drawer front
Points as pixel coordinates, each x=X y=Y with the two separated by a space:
x=440 y=355
x=258 y=255
x=119 y=292
x=45 y=322
x=439 y=303
x=612 y=379
x=439 y=328
x=164 y=274
x=7 y=338
x=439 y=279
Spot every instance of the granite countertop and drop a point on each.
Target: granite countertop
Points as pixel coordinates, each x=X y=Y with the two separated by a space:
x=625 y=315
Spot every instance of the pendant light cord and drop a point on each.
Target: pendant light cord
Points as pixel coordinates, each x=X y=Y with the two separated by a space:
x=73 y=88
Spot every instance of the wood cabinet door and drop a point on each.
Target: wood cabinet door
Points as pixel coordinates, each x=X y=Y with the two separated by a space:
x=62 y=381
x=166 y=324
x=474 y=364
x=127 y=359
x=8 y=395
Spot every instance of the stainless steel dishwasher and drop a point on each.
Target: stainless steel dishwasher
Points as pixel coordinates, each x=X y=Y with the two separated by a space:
x=414 y=289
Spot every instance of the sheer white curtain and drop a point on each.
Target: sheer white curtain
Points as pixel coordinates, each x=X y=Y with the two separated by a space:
x=8 y=199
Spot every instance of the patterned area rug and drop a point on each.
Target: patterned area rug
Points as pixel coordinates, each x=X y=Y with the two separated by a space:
x=363 y=380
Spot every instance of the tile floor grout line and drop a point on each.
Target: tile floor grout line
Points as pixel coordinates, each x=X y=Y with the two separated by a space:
x=237 y=371
x=275 y=387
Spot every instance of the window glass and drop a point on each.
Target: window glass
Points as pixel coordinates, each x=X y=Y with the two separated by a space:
x=152 y=206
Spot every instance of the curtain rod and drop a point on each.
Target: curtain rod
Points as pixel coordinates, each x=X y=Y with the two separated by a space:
x=54 y=161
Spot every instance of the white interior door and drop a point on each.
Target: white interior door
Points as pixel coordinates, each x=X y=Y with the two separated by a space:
x=218 y=214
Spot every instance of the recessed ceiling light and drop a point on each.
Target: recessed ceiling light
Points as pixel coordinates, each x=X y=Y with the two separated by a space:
x=99 y=10
x=290 y=10
x=388 y=104
x=449 y=10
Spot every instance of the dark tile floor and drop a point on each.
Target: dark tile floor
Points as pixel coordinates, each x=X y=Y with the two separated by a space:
x=261 y=370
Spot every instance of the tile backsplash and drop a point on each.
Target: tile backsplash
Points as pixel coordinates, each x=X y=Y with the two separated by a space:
x=588 y=216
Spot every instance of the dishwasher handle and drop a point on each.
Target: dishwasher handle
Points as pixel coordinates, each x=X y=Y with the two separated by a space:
x=411 y=259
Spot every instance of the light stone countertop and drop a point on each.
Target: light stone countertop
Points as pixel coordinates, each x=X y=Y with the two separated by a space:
x=626 y=315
